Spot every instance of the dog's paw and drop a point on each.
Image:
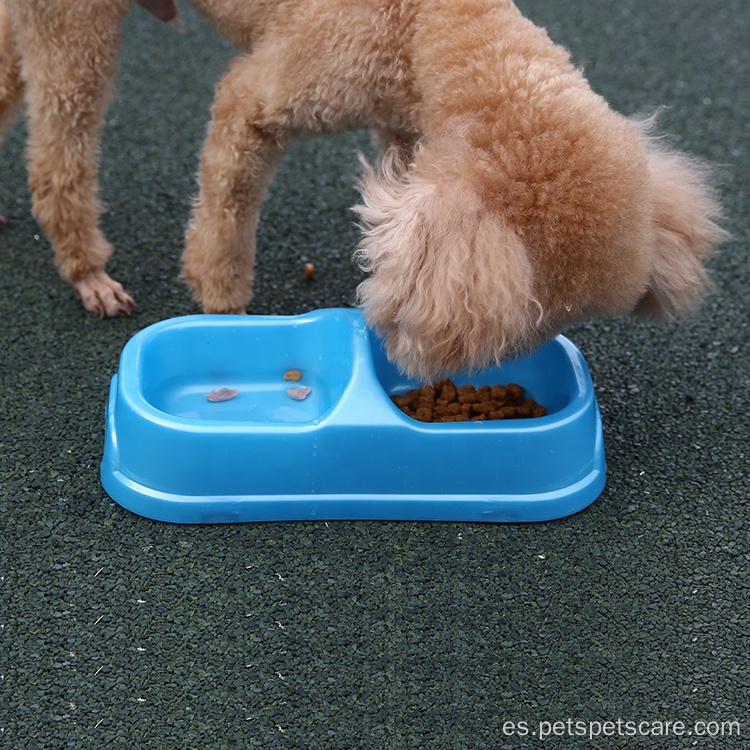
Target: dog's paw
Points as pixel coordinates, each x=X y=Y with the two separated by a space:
x=103 y=295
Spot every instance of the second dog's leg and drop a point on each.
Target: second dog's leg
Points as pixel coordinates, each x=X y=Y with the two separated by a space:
x=69 y=57
x=11 y=84
x=238 y=160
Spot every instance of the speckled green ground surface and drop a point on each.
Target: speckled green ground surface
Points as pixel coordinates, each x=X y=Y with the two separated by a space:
x=117 y=631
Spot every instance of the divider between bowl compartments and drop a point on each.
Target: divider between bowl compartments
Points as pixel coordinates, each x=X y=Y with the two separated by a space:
x=364 y=400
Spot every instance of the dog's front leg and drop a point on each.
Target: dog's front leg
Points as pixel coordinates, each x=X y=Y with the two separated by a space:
x=69 y=54
x=11 y=84
x=237 y=163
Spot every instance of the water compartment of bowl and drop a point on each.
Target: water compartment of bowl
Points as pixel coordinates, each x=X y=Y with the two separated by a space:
x=345 y=451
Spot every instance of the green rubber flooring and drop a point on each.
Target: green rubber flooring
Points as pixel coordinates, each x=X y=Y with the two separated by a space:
x=121 y=632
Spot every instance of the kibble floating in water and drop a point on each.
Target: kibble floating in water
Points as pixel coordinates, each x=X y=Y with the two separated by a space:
x=222 y=394
x=445 y=402
x=294 y=375
x=298 y=394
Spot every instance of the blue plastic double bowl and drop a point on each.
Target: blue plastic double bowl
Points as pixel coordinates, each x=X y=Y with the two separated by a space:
x=344 y=451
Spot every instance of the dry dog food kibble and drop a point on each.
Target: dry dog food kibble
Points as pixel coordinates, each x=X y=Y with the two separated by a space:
x=445 y=402
x=298 y=394
x=295 y=375
x=222 y=394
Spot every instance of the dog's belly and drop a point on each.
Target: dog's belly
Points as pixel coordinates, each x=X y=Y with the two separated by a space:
x=326 y=65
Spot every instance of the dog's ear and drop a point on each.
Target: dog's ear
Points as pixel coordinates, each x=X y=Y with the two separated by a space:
x=164 y=10
x=451 y=286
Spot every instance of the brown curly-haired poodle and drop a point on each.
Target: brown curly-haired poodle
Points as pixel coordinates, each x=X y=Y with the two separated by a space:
x=510 y=200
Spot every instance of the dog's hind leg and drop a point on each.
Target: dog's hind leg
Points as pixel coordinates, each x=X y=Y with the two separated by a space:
x=69 y=57
x=11 y=83
x=239 y=156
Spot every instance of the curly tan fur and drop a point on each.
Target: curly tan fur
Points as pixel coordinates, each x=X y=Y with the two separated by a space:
x=11 y=86
x=510 y=201
x=67 y=53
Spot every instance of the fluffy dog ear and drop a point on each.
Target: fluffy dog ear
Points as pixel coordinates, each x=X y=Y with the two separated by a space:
x=451 y=286
x=684 y=228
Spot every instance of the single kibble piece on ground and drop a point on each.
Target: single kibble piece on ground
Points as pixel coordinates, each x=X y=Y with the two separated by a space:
x=309 y=271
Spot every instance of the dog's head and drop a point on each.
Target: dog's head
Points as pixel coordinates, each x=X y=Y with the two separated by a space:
x=450 y=286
